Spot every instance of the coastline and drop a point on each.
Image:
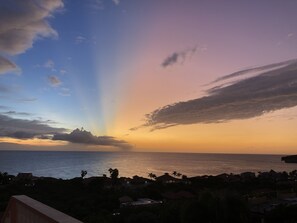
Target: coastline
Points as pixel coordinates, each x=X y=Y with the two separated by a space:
x=146 y=152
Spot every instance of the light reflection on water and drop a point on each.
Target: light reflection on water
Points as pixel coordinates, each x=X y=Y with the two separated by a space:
x=69 y=164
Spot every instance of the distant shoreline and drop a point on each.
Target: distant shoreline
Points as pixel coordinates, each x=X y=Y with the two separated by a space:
x=162 y=152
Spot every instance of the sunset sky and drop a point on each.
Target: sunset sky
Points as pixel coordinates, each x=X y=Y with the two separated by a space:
x=149 y=75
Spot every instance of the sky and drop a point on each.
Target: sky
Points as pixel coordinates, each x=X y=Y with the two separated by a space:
x=149 y=75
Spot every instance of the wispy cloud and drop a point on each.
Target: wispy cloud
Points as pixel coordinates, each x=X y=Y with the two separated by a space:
x=15 y=113
x=80 y=39
x=49 y=64
x=21 y=22
x=54 y=81
x=116 y=2
x=96 y=4
x=65 y=92
x=180 y=56
x=85 y=137
x=2 y=107
x=7 y=66
x=62 y=71
x=290 y=35
x=4 y=89
x=13 y=93
x=172 y=59
x=287 y=39
x=254 y=69
x=27 y=100
x=271 y=90
x=99 y=4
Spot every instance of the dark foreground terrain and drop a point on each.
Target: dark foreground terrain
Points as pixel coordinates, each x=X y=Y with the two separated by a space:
x=174 y=198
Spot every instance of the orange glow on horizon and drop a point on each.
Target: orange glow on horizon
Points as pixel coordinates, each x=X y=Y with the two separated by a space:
x=33 y=142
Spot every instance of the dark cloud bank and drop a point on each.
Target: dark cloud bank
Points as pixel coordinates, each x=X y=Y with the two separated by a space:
x=273 y=89
x=25 y=129
x=28 y=129
x=85 y=137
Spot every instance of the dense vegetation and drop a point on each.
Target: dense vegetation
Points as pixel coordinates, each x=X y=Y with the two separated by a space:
x=213 y=199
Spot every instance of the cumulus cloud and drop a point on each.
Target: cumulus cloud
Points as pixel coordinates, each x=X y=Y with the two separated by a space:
x=85 y=137
x=268 y=91
x=25 y=129
x=54 y=81
x=18 y=128
x=178 y=57
x=21 y=23
x=7 y=66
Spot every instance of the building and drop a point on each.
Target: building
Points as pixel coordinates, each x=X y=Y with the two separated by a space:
x=166 y=178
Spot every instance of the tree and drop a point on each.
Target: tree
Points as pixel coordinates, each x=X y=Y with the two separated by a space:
x=195 y=211
x=152 y=175
x=83 y=173
x=4 y=179
x=114 y=173
x=176 y=174
x=184 y=177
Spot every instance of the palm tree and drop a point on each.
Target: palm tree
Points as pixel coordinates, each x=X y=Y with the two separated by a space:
x=114 y=173
x=152 y=176
x=83 y=173
x=176 y=174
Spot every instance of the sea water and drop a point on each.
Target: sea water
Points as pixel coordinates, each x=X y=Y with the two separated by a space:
x=69 y=164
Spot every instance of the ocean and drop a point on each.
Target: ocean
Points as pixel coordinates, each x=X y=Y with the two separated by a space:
x=67 y=165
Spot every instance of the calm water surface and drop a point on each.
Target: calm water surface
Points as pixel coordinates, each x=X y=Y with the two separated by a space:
x=69 y=164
